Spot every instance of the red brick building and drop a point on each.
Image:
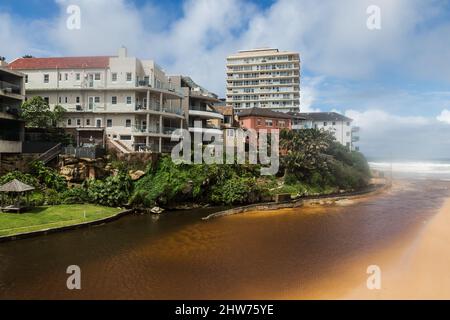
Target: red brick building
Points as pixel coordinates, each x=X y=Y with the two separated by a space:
x=260 y=118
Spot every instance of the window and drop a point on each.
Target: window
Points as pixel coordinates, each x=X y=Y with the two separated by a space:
x=114 y=77
x=348 y=124
x=78 y=99
x=334 y=123
x=129 y=76
x=47 y=100
x=109 y=123
x=114 y=100
x=347 y=133
x=128 y=123
x=69 y=122
x=97 y=76
x=325 y=124
x=66 y=100
x=281 y=124
x=60 y=76
x=59 y=99
x=269 y=122
x=77 y=76
x=26 y=78
x=125 y=138
x=258 y=122
x=97 y=99
x=128 y=100
x=46 y=78
x=88 y=122
x=66 y=76
x=98 y=123
x=78 y=122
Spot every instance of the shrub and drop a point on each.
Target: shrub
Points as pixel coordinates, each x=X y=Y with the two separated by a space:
x=23 y=177
x=48 y=177
x=236 y=190
x=113 y=191
x=75 y=195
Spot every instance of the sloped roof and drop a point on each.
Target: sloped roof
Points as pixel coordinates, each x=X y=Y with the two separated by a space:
x=322 y=116
x=93 y=62
x=223 y=109
x=263 y=112
x=15 y=186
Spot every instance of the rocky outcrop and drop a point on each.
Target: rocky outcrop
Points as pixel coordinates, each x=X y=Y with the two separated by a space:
x=78 y=170
x=136 y=175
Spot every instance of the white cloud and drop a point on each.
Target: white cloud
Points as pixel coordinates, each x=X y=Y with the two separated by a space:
x=444 y=116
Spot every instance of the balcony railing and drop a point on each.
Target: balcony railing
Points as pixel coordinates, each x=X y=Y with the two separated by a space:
x=10 y=110
x=162 y=86
x=198 y=108
x=10 y=87
x=158 y=108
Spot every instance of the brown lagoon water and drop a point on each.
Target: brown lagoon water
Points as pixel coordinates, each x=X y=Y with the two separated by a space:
x=294 y=253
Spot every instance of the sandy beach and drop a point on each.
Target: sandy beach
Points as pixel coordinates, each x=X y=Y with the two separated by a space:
x=418 y=270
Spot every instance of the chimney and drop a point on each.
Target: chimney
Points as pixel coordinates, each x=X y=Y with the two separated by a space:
x=122 y=52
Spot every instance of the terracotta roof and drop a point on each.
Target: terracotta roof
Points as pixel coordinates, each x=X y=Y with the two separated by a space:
x=263 y=112
x=15 y=186
x=99 y=62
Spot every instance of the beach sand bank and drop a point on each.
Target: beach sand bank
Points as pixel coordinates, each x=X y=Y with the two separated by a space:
x=418 y=268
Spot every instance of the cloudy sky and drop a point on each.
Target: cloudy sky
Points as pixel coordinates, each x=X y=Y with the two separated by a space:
x=394 y=81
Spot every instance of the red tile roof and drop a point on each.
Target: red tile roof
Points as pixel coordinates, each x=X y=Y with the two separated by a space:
x=99 y=62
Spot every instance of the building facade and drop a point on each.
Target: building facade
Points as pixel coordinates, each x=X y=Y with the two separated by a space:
x=340 y=126
x=260 y=118
x=264 y=78
x=125 y=100
x=12 y=94
x=197 y=105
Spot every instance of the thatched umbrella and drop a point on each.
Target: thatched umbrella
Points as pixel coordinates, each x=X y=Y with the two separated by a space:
x=17 y=188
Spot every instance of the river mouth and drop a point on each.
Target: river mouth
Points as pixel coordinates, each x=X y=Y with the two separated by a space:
x=290 y=253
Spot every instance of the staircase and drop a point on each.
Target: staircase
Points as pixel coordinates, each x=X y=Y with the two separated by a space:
x=119 y=146
x=50 y=154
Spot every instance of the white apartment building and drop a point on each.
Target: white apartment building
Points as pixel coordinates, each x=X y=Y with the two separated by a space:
x=121 y=98
x=264 y=78
x=340 y=126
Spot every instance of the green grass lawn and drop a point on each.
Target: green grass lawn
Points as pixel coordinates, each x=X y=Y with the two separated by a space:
x=40 y=218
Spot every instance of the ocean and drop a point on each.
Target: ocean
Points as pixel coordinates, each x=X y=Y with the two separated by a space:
x=422 y=170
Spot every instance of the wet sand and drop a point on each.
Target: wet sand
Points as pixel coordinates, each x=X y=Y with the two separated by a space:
x=419 y=270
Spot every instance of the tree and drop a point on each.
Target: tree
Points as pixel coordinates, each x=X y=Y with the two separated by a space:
x=304 y=151
x=27 y=56
x=36 y=113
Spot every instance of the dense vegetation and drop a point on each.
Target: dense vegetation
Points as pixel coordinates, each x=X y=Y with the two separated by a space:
x=311 y=163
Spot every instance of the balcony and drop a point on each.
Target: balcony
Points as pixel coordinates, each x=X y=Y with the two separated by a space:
x=162 y=86
x=203 y=112
x=11 y=88
x=355 y=129
x=154 y=130
x=157 y=108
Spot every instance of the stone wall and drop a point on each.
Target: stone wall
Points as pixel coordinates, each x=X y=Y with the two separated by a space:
x=16 y=161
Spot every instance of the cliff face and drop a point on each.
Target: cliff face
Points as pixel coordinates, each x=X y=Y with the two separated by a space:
x=77 y=170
